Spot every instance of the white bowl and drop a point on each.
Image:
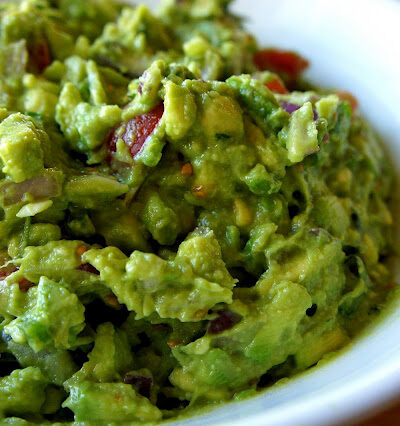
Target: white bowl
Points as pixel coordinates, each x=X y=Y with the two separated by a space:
x=352 y=45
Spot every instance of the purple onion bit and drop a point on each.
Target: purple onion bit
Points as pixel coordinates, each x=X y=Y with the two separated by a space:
x=141 y=384
x=290 y=108
x=224 y=321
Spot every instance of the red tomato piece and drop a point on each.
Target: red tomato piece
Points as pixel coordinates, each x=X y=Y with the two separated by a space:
x=5 y=271
x=351 y=99
x=280 y=61
x=277 y=86
x=39 y=54
x=224 y=321
x=25 y=285
x=141 y=384
x=87 y=267
x=136 y=131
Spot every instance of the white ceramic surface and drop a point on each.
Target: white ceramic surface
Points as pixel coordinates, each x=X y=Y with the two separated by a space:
x=352 y=45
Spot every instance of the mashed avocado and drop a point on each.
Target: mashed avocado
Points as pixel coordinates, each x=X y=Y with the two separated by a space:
x=182 y=219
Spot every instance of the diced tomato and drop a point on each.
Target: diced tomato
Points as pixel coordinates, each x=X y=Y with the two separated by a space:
x=280 y=61
x=25 y=285
x=39 y=54
x=277 y=86
x=141 y=384
x=5 y=271
x=224 y=321
x=136 y=131
x=347 y=96
x=87 y=267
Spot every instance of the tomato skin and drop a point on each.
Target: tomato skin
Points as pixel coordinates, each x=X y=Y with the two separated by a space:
x=39 y=54
x=225 y=321
x=87 y=267
x=5 y=271
x=277 y=86
x=25 y=285
x=136 y=131
x=280 y=61
x=350 y=98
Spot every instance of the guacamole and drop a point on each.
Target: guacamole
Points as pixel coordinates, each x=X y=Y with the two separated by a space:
x=184 y=220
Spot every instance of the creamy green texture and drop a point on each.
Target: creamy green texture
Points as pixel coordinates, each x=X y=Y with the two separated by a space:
x=177 y=229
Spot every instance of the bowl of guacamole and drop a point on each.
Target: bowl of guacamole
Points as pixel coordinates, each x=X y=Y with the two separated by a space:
x=185 y=220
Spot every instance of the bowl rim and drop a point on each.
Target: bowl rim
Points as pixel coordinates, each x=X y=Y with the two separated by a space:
x=331 y=407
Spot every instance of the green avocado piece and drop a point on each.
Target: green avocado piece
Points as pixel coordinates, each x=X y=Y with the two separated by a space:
x=180 y=110
x=110 y=402
x=104 y=366
x=146 y=284
x=303 y=134
x=14 y=388
x=56 y=319
x=56 y=364
x=91 y=190
x=21 y=147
